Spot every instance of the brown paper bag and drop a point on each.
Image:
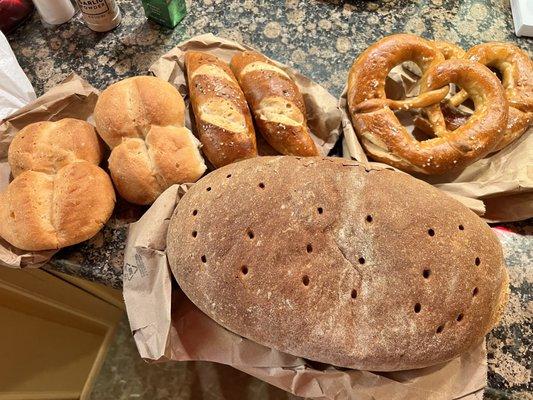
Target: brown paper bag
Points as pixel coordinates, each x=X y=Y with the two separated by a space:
x=498 y=187
x=167 y=326
x=323 y=115
x=73 y=98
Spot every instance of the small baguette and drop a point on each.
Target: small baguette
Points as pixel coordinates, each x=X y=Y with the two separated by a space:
x=277 y=104
x=223 y=121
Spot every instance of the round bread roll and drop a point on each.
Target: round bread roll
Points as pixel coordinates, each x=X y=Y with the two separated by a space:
x=48 y=146
x=150 y=155
x=325 y=259
x=59 y=196
x=49 y=211
x=141 y=119
x=128 y=108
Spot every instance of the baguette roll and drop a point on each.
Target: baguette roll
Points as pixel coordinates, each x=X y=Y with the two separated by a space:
x=276 y=103
x=223 y=121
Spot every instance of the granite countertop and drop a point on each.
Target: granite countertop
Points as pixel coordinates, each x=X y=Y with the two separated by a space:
x=320 y=39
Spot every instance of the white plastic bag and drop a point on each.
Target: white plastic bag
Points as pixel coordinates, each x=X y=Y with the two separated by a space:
x=15 y=88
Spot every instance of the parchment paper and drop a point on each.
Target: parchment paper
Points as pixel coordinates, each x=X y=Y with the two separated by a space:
x=73 y=98
x=167 y=326
x=498 y=187
x=323 y=115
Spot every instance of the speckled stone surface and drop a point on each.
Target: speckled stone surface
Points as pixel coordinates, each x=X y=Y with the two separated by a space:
x=321 y=39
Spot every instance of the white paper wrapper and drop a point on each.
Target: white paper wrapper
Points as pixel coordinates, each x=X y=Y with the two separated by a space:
x=498 y=187
x=167 y=326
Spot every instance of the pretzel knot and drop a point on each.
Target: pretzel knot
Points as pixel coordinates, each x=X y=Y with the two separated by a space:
x=516 y=69
x=387 y=140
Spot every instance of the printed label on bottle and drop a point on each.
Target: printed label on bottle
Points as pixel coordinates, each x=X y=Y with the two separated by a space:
x=93 y=7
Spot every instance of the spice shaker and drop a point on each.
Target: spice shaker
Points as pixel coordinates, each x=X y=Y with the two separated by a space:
x=55 y=12
x=100 y=15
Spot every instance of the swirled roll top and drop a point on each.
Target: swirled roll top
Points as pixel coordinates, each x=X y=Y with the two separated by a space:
x=142 y=120
x=59 y=196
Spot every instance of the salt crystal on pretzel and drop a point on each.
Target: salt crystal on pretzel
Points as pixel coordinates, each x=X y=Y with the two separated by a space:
x=516 y=69
x=374 y=119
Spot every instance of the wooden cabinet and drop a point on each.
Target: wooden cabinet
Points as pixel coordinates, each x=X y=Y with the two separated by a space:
x=54 y=333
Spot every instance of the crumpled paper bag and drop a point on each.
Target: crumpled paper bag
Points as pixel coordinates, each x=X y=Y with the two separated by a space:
x=498 y=187
x=73 y=98
x=323 y=115
x=15 y=88
x=166 y=326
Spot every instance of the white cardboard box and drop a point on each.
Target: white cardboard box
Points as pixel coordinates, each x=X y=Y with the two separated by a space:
x=522 y=17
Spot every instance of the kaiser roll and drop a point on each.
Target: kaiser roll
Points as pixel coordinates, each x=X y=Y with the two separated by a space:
x=141 y=119
x=59 y=196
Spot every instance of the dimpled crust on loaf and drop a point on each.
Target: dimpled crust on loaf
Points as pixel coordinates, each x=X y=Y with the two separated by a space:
x=324 y=259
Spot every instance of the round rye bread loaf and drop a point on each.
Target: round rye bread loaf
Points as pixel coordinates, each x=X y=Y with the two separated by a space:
x=325 y=259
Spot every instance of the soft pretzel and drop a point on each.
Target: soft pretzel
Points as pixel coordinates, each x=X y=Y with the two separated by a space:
x=383 y=136
x=516 y=69
x=59 y=196
x=449 y=50
x=276 y=103
x=141 y=119
x=223 y=121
